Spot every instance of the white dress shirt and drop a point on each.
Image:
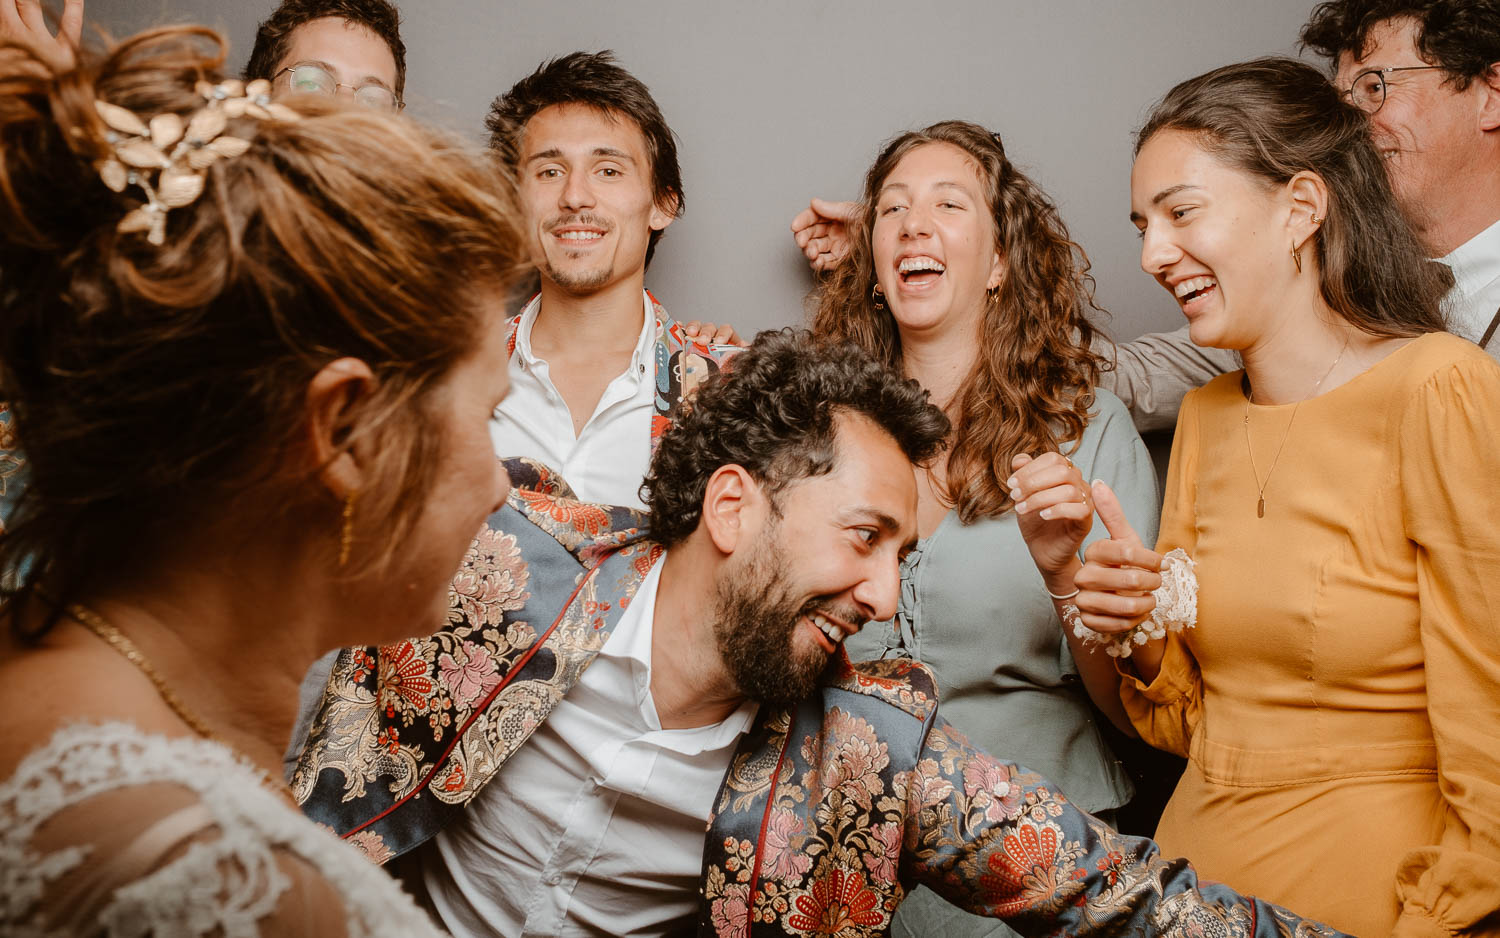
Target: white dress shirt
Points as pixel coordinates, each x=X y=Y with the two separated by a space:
x=1475 y=296
x=608 y=459
x=595 y=825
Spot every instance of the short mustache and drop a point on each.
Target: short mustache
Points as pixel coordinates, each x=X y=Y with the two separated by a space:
x=584 y=218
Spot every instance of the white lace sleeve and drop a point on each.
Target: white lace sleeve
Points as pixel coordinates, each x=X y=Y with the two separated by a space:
x=107 y=830
x=1176 y=609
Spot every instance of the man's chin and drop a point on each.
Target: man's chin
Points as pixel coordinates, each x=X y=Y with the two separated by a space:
x=578 y=281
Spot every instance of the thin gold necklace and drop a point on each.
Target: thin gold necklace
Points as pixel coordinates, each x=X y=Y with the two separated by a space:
x=1260 y=505
x=116 y=639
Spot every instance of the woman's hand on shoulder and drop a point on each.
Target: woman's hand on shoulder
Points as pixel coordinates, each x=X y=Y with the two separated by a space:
x=1118 y=573
x=712 y=332
x=1054 y=512
x=822 y=232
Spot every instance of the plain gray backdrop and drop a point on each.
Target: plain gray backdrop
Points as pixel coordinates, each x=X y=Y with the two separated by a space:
x=775 y=101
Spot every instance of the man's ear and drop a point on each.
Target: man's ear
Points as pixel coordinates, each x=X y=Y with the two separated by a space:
x=331 y=401
x=732 y=504
x=665 y=211
x=1489 y=110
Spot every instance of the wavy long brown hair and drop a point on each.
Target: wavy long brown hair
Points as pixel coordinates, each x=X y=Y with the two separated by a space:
x=160 y=389
x=1032 y=382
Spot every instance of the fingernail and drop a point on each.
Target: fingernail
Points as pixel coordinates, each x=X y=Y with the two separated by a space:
x=1046 y=513
x=1020 y=506
x=1015 y=493
x=1011 y=483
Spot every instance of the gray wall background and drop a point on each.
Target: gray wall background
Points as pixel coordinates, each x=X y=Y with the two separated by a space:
x=775 y=101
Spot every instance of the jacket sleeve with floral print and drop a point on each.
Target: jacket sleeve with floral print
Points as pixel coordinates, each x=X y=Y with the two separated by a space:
x=833 y=810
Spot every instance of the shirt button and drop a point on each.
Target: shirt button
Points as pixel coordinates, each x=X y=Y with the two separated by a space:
x=551 y=879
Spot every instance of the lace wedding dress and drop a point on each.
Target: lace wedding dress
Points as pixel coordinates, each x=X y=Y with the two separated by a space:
x=108 y=830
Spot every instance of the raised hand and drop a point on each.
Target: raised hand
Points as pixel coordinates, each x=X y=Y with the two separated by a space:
x=23 y=23
x=1118 y=574
x=822 y=232
x=712 y=332
x=1054 y=512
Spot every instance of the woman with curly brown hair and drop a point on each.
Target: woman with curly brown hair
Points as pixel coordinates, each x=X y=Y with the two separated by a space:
x=962 y=275
x=250 y=371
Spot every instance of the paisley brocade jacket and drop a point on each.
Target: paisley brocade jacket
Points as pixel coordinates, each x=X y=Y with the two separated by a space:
x=830 y=811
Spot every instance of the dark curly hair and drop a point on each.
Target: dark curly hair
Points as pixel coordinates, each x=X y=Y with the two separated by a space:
x=1463 y=36
x=594 y=79
x=772 y=412
x=274 y=35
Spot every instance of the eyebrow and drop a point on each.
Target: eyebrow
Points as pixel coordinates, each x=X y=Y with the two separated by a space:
x=366 y=80
x=944 y=184
x=1162 y=196
x=885 y=521
x=552 y=153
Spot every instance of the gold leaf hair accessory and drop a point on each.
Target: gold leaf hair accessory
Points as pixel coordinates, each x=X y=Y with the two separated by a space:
x=168 y=158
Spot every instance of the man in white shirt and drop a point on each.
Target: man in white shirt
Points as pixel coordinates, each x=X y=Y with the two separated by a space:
x=597 y=366
x=632 y=733
x=1433 y=73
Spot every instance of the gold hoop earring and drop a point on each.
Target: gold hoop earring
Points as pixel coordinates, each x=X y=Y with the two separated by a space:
x=1297 y=257
x=877 y=296
x=346 y=530
x=992 y=296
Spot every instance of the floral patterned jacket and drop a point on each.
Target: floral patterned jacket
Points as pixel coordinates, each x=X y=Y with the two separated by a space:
x=830 y=811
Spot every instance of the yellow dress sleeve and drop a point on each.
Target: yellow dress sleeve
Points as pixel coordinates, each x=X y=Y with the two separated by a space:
x=1450 y=479
x=1165 y=712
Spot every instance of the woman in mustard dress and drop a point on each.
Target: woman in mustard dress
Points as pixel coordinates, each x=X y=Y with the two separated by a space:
x=1339 y=697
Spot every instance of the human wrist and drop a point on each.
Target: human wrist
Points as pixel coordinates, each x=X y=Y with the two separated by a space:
x=1059 y=583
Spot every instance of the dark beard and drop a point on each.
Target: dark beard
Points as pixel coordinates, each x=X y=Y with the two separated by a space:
x=755 y=620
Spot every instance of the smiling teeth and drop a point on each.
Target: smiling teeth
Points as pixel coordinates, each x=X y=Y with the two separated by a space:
x=909 y=264
x=834 y=633
x=580 y=235
x=1193 y=286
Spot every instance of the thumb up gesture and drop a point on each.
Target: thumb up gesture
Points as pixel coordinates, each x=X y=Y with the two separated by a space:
x=1118 y=574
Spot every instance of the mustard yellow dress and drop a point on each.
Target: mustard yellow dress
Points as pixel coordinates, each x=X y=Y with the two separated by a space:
x=1339 y=700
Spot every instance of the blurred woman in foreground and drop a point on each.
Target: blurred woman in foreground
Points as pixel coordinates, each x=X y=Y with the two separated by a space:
x=250 y=434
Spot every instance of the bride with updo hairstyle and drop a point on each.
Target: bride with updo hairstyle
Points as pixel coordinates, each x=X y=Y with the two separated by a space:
x=248 y=350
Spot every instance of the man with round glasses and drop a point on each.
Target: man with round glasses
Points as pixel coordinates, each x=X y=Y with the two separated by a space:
x=333 y=47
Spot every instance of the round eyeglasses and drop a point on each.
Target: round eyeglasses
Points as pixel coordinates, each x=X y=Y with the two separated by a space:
x=307 y=78
x=1367 y=91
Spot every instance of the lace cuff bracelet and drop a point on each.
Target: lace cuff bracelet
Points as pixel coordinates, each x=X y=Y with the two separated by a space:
x=1176 y=609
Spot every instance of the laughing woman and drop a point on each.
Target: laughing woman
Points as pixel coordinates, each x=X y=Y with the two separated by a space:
x=1338 y=698
x=963 y=276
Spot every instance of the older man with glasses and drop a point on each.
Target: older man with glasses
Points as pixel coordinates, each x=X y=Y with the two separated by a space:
x=332 y=47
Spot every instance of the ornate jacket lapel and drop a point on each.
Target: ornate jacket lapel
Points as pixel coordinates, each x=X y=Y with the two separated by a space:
x=409 y=732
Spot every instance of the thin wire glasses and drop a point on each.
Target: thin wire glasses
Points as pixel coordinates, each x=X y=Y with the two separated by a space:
x=314 y=79
x=1367 y=91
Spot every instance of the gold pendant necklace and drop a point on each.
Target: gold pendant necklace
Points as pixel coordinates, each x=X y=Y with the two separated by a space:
x=116 y=639
x=1260 y=504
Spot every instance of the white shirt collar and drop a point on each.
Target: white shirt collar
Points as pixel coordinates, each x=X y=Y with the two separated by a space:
x=1476 y=262
x=631 y=641
x=641 y=361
